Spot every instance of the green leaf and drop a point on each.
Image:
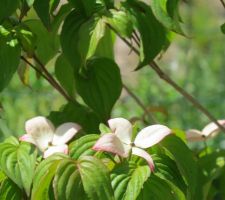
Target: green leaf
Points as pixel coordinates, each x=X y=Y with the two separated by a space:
x=43 y=177
x=9 y=59
x=43 y=9
x=222 y=27
x=65 y=74
x=82 y=146
x=157 y=189
x=188 y=167
x=9 y=191
x=86 y=7
x=47 y=42
x=127 y=180
x=75 y=112
x=90 y=34
x=166 y=11
x=95 y=178
x=18 y=163
x=67 y=182
x=100 y=86
x=2 y=176
x=121 y=22
x=152 y=34
x=69 y=38
x=7 y=8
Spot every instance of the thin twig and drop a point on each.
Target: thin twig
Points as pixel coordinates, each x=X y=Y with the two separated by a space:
x=56 y=84
x=166 y=78
x=140 y=103
x=222 y=2
x=45 y=77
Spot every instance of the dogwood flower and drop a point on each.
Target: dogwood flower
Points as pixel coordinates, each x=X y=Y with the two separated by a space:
x=209 y=131
x=119 y=141
x=42 y=133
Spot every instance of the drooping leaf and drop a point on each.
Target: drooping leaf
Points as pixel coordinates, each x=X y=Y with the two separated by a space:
x=166 y=11
x=188 y=167
x=74 y=112
x=9 y=190
x=100 y=86
x=18 y=163
x=82 y=146
x=153 y=35
x=7 y=8
x=65 y=74
x=9 y=57
x=47 y=42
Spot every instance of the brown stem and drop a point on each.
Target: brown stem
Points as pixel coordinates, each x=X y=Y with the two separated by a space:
x=140 y=103
x=56 y=84
x=222 y=2
x=179 y=89
x=46 y=77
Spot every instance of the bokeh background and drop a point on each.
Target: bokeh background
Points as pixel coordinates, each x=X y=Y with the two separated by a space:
x=195 y=63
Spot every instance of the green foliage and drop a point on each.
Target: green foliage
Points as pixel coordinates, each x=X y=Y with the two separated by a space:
x=70 y=47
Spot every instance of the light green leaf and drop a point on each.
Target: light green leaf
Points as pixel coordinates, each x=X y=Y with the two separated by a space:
x=65 y=74
x=100 y=86
x=43 y=177
x=120 y=21
x=18 y=163
x=10 y=191
x=82 y=146
x=9 y=59
x=166 y=11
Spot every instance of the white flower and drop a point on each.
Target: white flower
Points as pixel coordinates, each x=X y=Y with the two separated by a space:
x=119 y=141
x=209 y=131
x=41 y=132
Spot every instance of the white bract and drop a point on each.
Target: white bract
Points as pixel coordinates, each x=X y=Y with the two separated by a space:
x=119 y=141
x=42 y=133
x=209 y=131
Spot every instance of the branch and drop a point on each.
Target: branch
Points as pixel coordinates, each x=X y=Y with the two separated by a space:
x=59 y=89
x=140 y=103
x=55 y=83
x=222 y=2
x=179 y=89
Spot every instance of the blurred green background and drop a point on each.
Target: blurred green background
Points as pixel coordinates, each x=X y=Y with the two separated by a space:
x=196 y=64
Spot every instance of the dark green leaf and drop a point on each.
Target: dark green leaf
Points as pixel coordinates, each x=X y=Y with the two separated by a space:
x=7 y=8
x=74 y=112
x=157 y=189
x=152 y=34
x=9 y=191
x=186 y=164
x=18 y=163
x=222 y=27
x=100 y=86
x=65 y=75
x=9 y=58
